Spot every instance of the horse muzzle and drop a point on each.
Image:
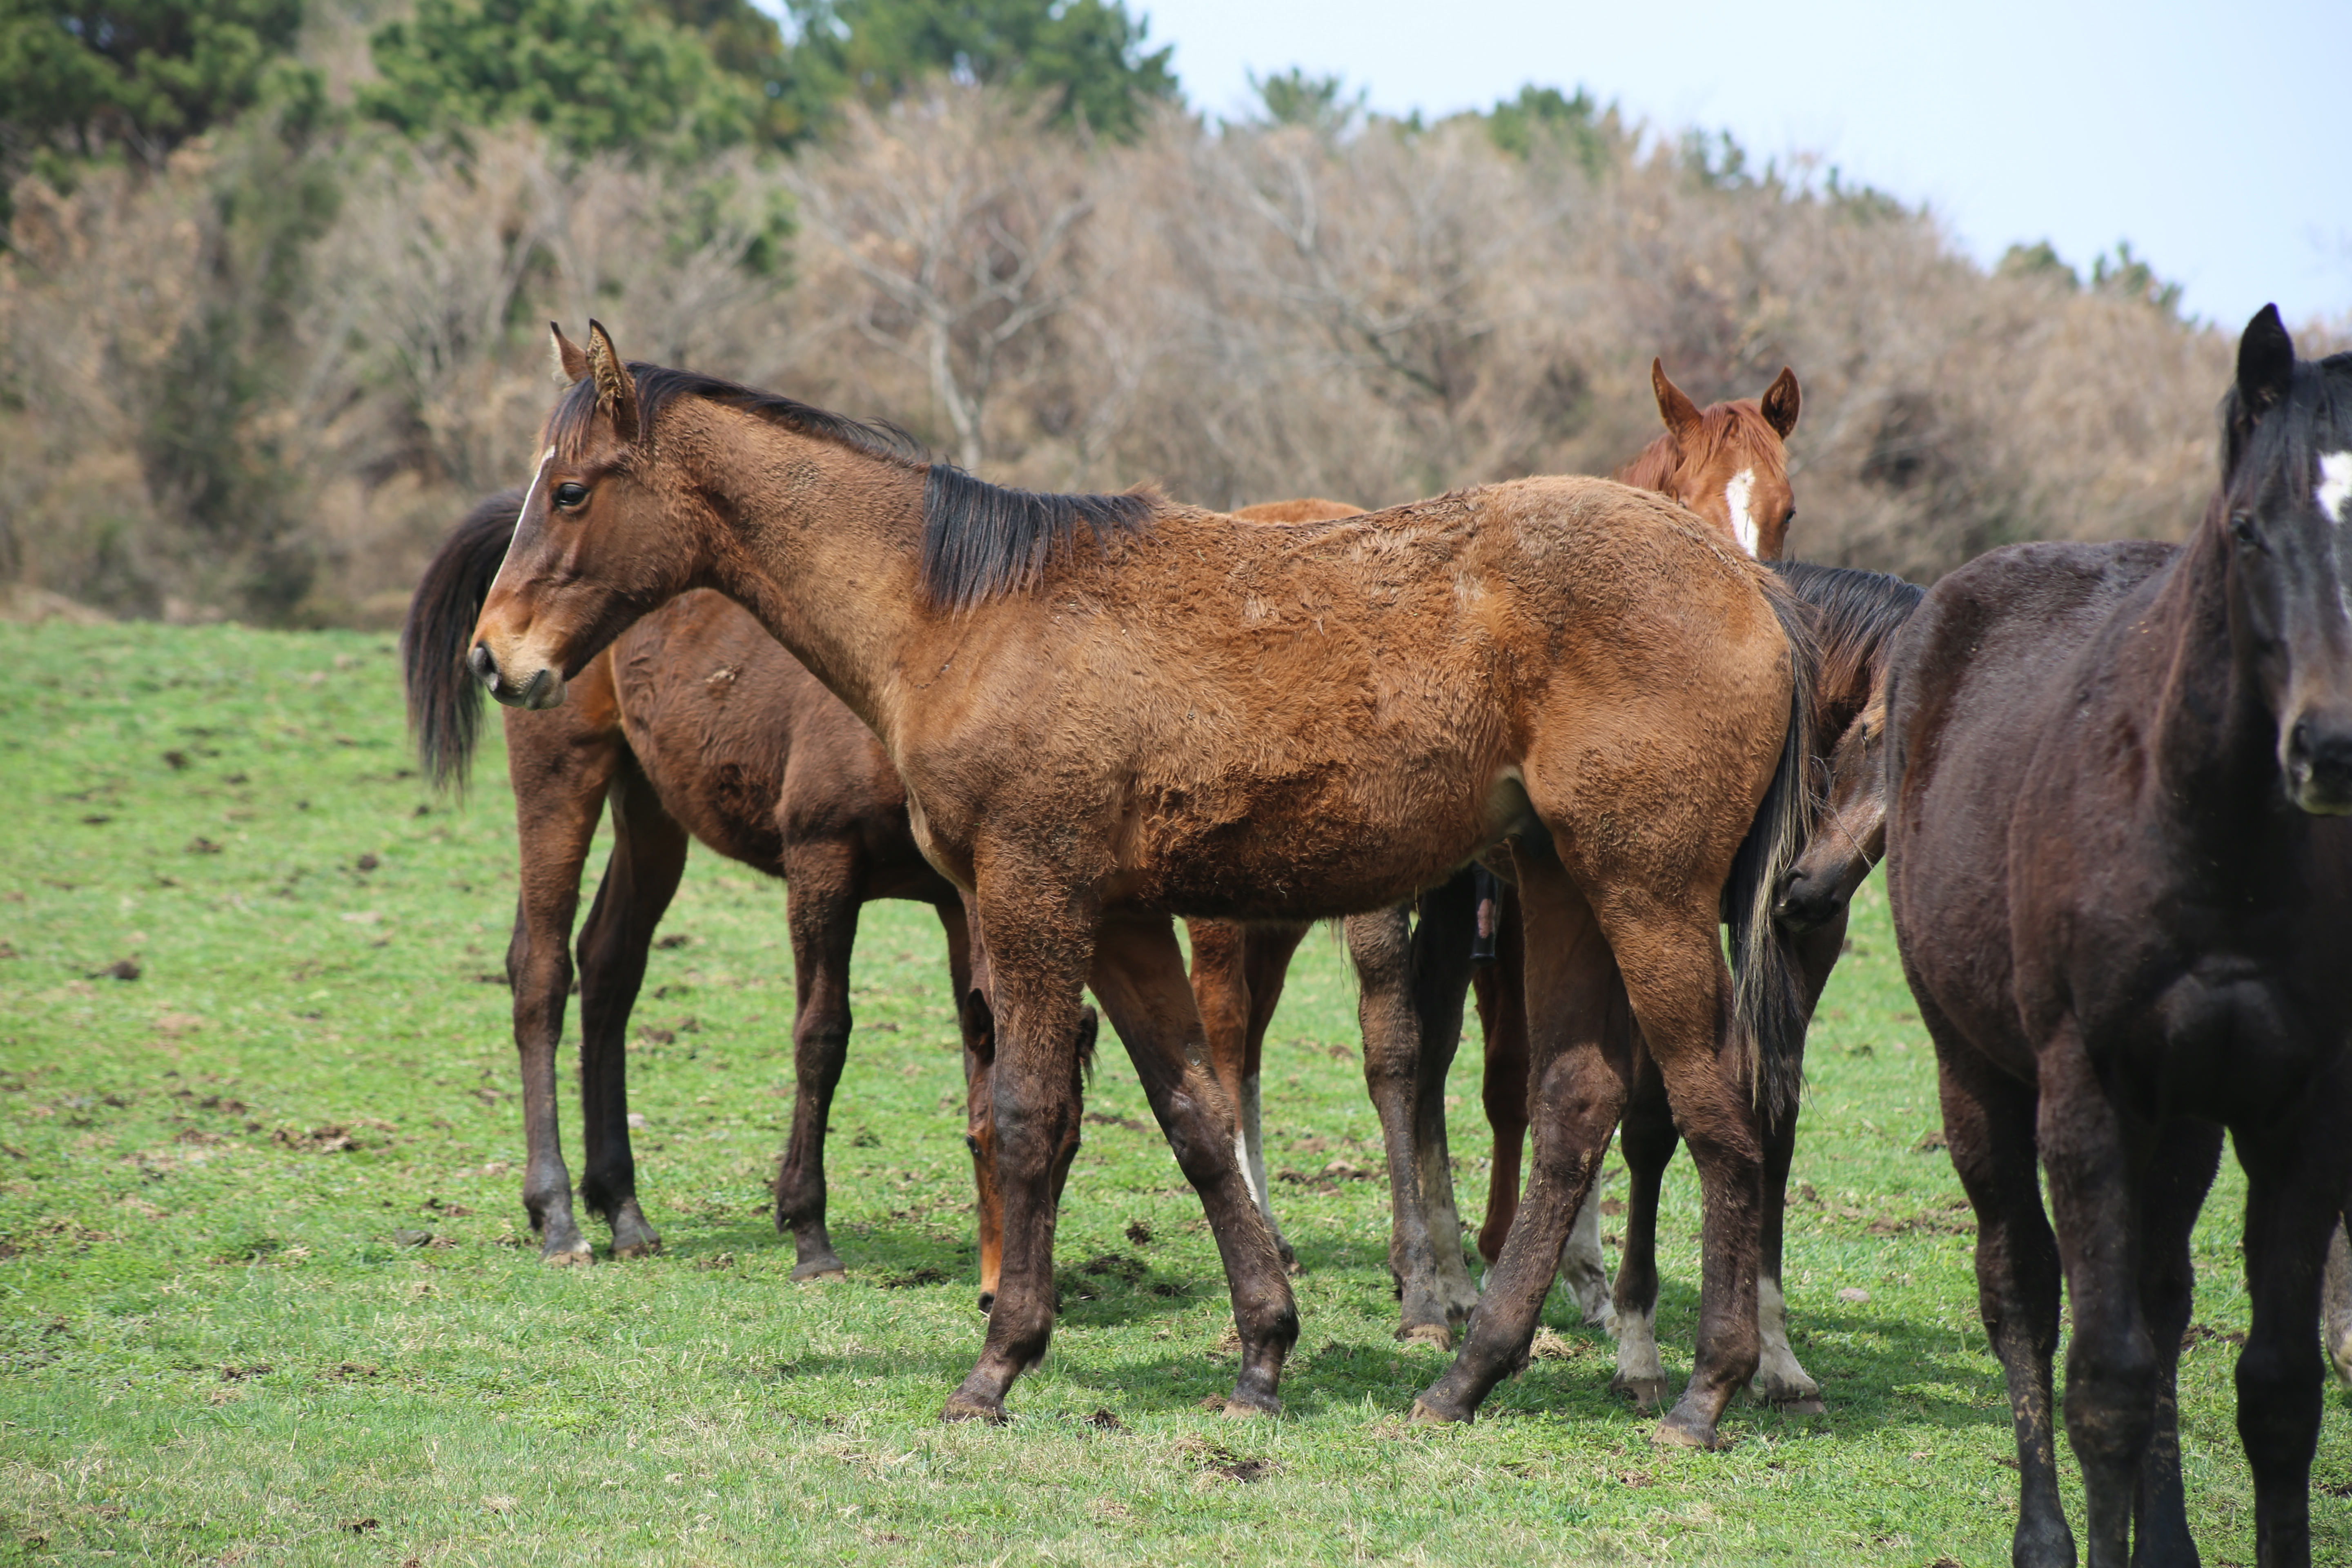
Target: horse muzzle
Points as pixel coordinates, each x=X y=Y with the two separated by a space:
x=2318 y=760
x=543 y=688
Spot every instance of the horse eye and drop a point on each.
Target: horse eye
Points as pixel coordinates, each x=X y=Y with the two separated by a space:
x=569 y=494
x=2242 y=529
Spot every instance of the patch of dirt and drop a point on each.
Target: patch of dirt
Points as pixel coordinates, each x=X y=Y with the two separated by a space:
x=240 y=1374
x=1215 y=1459
x=927 y=1275
x=1104 y=1421
x=2198 y=1333
x=1550 y=1346
x=1137 y=1233
x=1124 y=1123
x=121 y=969
x=1931 y=1143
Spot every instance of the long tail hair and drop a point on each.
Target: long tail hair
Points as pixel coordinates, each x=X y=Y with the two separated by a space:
x=1767 y=995
x=444 y=701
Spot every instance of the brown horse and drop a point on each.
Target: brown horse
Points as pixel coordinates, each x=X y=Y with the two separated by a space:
x=1108 y=710
x=696 y=724
x=1727 y=463
x=2121 y=879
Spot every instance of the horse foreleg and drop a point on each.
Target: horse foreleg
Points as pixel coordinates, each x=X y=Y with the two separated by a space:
x=2111 y=1362
x=1442 y=950
x=821 y=909
x=1647 y=1140
x=1380 y=945
x=1577 y=1092
x=2297 y=1174
x=648 y=856
x=1988 y=1127
x=1139 y=976
x=559 y=789
x=2171 y=1190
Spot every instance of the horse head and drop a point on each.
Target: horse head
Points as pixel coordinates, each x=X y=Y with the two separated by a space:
x=2284 y=515
x=1726 y=462
x=588 y=557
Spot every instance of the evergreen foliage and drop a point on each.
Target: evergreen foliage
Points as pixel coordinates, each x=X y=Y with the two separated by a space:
x=599 y=75
x=91 y=76
x=1084 y=56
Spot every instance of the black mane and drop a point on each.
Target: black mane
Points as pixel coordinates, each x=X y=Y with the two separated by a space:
x=1855 y=614
x=979 y=540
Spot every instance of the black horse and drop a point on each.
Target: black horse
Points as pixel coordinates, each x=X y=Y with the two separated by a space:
x=2122 y=885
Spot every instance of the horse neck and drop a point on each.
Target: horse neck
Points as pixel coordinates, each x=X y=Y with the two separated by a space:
x=822 y=544
x=2214 y=739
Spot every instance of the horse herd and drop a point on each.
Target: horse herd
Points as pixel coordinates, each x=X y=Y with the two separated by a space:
x=1539 y=741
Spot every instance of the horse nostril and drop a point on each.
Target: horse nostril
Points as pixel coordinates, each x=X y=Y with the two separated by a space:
x=484 y=665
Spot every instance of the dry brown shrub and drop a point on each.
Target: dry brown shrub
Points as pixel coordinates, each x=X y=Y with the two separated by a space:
x=1239 y=313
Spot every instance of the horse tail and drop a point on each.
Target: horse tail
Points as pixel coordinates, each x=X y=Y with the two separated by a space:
x=445 y=701
x=1769 y=1009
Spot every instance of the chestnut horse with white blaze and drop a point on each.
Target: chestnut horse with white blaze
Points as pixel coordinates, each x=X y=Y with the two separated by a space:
x=1111 y=709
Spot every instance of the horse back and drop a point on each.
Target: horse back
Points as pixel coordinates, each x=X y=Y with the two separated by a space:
x=1977 y=675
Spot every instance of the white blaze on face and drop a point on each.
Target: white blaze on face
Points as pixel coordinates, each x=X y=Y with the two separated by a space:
x=2334 y=490
x=1736 y=496
x=538 y=477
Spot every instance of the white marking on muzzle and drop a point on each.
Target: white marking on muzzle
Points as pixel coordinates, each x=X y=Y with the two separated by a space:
x=2335 y=493
x=1736 y=496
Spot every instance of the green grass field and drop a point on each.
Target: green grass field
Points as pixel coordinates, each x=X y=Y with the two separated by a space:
x=228 y=1339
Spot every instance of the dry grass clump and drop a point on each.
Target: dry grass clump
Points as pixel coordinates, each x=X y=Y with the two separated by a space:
x=260 y=384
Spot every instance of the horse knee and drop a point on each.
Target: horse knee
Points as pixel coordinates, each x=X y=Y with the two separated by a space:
x=2280 y=1392
x=2111 y=1388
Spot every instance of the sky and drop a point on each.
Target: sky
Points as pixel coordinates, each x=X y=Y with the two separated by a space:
x=2215 y=138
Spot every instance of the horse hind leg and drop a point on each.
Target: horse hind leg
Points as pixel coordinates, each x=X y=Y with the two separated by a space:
x=1577 y=1087
x=649 y=851
x=2337 y=1302
x=1139 y=977
x=1380 y=947
x=1442 y=951
x=1265 y=956
x=821 y=910
x=1780 y=1379
x=1647 y=1138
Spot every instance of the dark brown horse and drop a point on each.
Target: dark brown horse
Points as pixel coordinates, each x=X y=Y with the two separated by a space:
x=2121 y=880
x=694 y=725
x=1108 y=710
x=1727 y=464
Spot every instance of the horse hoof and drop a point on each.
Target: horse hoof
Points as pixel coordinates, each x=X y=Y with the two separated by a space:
x=962 y=1406
x=1427 y=1415
x=649 y=1248
x=819 y=1269
x=1437 y=1334
x=568 y=1257
x=1646 y=1393
x=1241 y=1407
x=1678 y=1432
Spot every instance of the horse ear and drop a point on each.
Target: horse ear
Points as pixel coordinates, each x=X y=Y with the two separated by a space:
x=2265 y=362
x=1780 y=402
x=1677 y=410
x=570 y=364
x=616 y=389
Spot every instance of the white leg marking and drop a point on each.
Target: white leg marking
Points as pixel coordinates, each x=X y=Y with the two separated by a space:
x=1637 y=1345
x=1583 y=1270
x=1735 y=497
x=2334 y=490
x=1778 y=1373
x=1252 y=1146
